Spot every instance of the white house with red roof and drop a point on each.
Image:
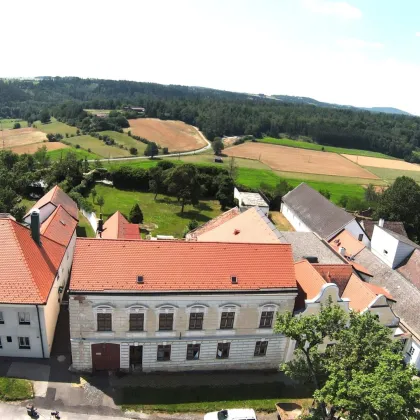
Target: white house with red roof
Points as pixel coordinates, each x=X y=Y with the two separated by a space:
x=35 y=264
x=176 y=305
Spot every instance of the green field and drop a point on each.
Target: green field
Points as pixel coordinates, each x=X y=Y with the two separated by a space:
x=80 y=153
x=125 y=140
x=8 y=123
x=55 y=127
x=315 y=146
x=389 y=175
x=165 y=211
x=97 y=146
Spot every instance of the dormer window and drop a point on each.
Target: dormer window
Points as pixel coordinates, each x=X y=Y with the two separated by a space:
x=140 y=280
x=234 y=279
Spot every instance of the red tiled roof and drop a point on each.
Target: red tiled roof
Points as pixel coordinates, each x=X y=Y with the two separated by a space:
x=360 y=268
x=335 y=273
x=113 y=265
x=379 y=291
x=118 y=227
x=359 y=293
x=27 y=271
x=309 y=282
x=59 y=226
x=57 y=196
x=346 y=240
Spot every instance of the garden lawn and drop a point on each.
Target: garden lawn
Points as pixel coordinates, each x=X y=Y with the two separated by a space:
x=55 y=127
x=315 y=146
x=97 y=146
x=8 y=123
x=84 y=229
x=13 y=389
x=126 y=140
x=165 y=211
x=80 y=153
x=202 y=399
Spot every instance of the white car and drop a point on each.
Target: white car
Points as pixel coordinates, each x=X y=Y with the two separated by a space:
x=233 y=414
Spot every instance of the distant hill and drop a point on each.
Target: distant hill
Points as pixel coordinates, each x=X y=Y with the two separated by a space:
x=309 y=101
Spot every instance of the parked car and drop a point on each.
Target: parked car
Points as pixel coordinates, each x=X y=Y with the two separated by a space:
x=232 y=414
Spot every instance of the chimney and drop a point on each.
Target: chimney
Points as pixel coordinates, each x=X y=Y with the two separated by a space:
x=35 y=226
x=100 y=227
x=381 y=222
x=342 y=251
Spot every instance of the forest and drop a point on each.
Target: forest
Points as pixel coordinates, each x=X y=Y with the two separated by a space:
x=218 y=113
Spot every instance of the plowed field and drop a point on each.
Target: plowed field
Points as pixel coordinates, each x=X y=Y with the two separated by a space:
x=22 y=136
x=175 y=135
x=290 y=159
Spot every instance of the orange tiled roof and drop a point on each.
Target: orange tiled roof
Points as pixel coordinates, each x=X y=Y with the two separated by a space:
x=359 y=293
x=335 y=273
x=59 y=226
x=27 y=271
x=379 y=291
x=118 y=227
x=346 y=240
x=309 y=282
x=57 y=196
x=113 y=265
x=360 y=268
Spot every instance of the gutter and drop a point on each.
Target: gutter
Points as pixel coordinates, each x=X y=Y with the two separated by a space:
x=40 y=332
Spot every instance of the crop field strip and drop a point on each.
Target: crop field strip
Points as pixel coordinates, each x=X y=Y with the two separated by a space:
x=21 y=137
x=97 y=146
x=125 y=140
x=366 y=161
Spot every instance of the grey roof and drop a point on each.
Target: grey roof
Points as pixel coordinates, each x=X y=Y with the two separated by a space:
x=308 y=244
x=401 y=238
x=252 y=199
x=397 y=227
x=318 y=213
x=407 y=296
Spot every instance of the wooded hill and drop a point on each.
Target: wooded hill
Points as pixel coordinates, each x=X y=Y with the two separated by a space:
x=219 y=113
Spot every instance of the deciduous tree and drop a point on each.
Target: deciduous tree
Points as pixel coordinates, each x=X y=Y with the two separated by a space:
x=151 y=150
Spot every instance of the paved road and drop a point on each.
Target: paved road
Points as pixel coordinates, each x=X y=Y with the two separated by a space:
x=192 y=152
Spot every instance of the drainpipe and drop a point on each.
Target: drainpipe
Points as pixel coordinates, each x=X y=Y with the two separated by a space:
x=40 y=332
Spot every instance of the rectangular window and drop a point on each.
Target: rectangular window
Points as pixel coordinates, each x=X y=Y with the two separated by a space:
x=227 y=319
x=136 y=322
x=9 y=339
x=223 y=350
x=266 y=320
x=166 y=322
x=1 y=318
x=411 y=351
x=164 y=353
x=193 y=351
x=196 y=321
x=104 y=322
x=360 y=237
x=260 y=348
x=24 y=343
x=24 y=318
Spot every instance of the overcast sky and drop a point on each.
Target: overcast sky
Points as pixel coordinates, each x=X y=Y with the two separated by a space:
x=361 y=52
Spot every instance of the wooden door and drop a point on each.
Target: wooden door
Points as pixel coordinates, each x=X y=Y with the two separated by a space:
x=105 y=356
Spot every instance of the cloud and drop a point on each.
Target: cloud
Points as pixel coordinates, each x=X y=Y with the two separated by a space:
x=357 y=44
x=340 y=9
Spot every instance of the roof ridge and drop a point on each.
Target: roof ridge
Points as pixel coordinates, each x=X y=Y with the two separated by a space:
x=55 y=189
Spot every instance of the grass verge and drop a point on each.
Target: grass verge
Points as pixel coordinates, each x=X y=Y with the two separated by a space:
x=260 y=397
x=84 y=229
x=315 y=146
x=13 y=389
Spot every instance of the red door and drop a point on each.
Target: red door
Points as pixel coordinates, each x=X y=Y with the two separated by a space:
x=105 y=356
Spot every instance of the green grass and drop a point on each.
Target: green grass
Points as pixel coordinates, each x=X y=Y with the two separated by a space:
x=126 y=140
x=80 y=153
x=55 y=127
x=84 y=229
x=97 y=146
x=390 y=175
x=12 y=389
x=97 y=111
x=8 y=123
x=315 y=146
x=165 y=211
x=202 y=399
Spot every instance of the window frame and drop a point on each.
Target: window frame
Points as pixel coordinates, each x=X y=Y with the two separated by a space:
x=105 y=314
x=197 y=316
x=411 y=351
x=227 y=320
x=260 y=345
x=162 y=321
x=225 y=348
x=141 y=317
x=1 y=318
x=262 y=317
x=164 y=348
x=191 y=347
x=26 y=346
x=1 y=344
x=25 y=315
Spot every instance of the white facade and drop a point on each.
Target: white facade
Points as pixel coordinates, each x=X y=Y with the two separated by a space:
x=241 y=339
x=37 y=322
x=388 y=248
x=294 y=219
x=412 y=352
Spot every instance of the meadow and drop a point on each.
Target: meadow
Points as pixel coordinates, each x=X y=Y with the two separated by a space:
x=8 y=123
x=55 y=127
x=80 y=153
x=125 y=140
x=96 y=146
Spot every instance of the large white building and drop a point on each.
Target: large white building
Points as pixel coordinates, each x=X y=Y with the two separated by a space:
x=35 y=264
x=151 y=305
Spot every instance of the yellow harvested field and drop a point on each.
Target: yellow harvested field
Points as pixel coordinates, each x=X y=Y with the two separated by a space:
x=9 y=139
x=383 y=163
x=32 y=148
x=290 y=159
x=175 y=135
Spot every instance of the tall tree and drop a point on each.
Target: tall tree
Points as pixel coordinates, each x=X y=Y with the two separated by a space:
x=233 y=168
x=217 y=146
x=151 y=150
x=136 y=215
x=157 y=178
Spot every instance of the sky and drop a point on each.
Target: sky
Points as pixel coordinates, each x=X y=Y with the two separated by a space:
x=358 y=52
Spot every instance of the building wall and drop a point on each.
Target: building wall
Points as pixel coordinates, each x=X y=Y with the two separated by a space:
x=412 y=346
x=293 y=219
x=355 y=230
x=386 y=316
x=246 y=331
x=384 y=246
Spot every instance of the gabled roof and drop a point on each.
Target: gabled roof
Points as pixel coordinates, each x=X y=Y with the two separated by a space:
x=308 y=279
x=57 y=197
x=401 y=238
x=250 y=226
x=315 y=211
x=27 y=270
x=118 y=227
x=335 y=273
x=174 y=266
x=213 y=223
x=346 y=240
x=397 y=227
x=410 y=268
x=59 y=227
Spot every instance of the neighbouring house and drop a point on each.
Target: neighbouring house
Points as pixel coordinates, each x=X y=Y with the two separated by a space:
x=35 y=265
x=118 y=227
x=397 y=227
x=251 y=226
x=247 y=200
x=309 y=211
x=177 y=305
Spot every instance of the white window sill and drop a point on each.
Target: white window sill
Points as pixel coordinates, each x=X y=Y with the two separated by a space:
x=136 y=334
x=226 y=332
x=264 y=331
x=166 y=333
x=194 y=333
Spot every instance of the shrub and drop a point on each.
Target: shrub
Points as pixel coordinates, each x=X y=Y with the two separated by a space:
x=133 y=150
